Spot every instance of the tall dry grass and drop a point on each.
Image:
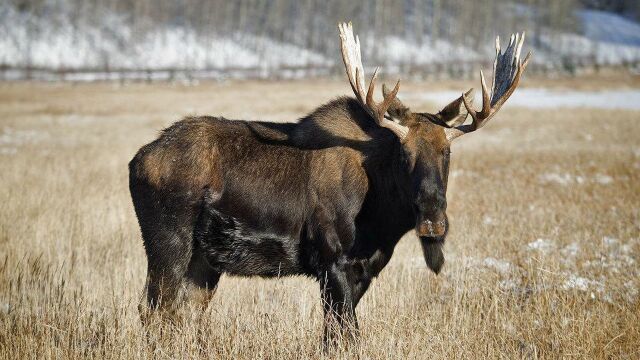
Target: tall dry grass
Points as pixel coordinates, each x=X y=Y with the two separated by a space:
x=542 y=259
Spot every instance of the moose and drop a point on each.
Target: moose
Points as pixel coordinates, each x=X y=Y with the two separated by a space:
x=328 y=197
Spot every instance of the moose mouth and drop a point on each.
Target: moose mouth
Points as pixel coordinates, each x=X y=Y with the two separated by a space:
x=432 y=228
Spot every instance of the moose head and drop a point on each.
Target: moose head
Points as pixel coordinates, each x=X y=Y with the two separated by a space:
x=426 y=138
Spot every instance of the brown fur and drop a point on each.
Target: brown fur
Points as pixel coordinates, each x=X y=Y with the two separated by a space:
x=328 y=197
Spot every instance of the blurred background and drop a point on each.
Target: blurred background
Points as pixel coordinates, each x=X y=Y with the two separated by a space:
x=542 y=260
x=275 y=39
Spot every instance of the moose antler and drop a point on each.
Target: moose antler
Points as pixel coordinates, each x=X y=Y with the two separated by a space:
x=507 y=70
x=355 y=72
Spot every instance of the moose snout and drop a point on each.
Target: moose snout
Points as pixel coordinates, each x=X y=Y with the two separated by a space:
x=431 y=215
x=431 y=228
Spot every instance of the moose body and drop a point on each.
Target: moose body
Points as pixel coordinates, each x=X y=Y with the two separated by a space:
x=328 y=197
x=245 y=198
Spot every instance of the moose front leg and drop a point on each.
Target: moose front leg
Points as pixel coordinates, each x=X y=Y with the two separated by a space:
x=362 y=271
x=342 y=286
x=337 y=288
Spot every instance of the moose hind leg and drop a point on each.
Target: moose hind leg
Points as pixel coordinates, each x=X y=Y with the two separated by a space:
x=168 y=240
x=168 y=259
x=203 y=281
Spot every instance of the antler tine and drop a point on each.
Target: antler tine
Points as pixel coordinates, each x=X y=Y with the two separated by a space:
x=486 y=107
x=347 y=46
x=370 y=102
x=351 y=56
x=507 y=70
x=380 y=109
x=389 y=98
x=360 y=88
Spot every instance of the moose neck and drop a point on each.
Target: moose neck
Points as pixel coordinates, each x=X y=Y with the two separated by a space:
x=388 y=206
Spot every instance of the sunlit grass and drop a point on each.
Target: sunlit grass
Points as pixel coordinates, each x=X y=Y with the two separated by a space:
x=542 y=259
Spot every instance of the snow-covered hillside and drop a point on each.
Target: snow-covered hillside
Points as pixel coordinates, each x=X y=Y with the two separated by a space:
x=55 y=42
x=609 y=28
x=609 y=38
x=51 y=43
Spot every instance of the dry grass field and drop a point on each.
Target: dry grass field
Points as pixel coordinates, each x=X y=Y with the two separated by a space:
x=542 y=259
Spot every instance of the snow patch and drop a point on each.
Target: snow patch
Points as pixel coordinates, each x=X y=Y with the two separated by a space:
x=510 y=285
x=501 y=266
x=570 y=251
x=8 y=151
x=631 y=292
x=562 y=179
x=5 y=308
x=538 y=98
x=616 y=258
x=541 y=245
x=12 y=139
x=488 y=220
x=603 y=179
x=566 y=179
x=610 y=241
x=574 y=282
x=461 y=172
x=510 y=276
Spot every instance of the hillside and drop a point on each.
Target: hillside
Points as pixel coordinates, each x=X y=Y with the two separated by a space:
x=61 y=41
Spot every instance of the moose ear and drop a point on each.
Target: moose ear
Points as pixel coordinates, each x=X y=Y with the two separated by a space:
x=397 y=109
x=452 y=115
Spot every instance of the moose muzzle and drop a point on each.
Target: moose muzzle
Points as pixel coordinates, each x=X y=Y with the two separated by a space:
x=431 y=228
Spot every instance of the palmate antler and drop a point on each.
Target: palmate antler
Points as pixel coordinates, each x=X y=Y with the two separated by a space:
x=355 y=72
x=507 y=70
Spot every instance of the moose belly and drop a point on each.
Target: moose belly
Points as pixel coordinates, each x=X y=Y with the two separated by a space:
x=232 y=247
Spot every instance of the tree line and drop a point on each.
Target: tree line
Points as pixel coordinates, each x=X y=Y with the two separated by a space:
x=311 y=24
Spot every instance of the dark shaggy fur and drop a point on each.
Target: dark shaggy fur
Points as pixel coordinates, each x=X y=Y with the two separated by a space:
x=328 y=197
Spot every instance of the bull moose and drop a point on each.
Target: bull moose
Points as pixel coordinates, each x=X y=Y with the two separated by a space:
x=328 y=197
